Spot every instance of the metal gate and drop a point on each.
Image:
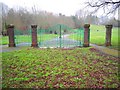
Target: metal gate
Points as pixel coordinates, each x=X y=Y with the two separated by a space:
x=22 y=37
x=60 y=36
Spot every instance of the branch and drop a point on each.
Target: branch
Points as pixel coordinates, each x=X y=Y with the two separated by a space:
x=112 y=5
x=104 y=3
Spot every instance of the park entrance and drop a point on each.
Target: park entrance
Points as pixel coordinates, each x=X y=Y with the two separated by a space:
x=57 y=36
x=60 y=36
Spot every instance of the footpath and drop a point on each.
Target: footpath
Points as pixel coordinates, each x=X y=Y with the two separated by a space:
x=5 y=48
x=106 y=50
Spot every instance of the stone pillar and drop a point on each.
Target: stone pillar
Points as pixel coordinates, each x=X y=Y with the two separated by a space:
x=86 y=35
x=34 y=36
x=108 y=35
x=10 y=31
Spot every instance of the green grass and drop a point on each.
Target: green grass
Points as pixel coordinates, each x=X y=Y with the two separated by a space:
x=4 y=40
x=98 y=37
x=45 y=68
x=45 y=37
x=27 y=38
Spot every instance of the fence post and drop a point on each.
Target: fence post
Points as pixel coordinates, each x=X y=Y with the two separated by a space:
x=10 y=31
x=108 y=35
x=86 y=35
x=34 y=36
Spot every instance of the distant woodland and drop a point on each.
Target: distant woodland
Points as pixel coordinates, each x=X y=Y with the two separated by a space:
x=22 y=18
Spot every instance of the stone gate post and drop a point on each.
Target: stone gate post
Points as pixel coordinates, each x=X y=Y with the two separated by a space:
x=10 y=31
x=86 y=35
x=34 y=36
x=108 y=35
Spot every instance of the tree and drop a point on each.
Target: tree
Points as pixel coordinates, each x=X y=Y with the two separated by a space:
x=23 y=18
x=76 y=21
x=113 y=21
x=3 y=16
x=109 y=6
x=84 y=16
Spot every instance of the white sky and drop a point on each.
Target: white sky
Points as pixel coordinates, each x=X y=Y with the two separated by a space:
x=67 y=7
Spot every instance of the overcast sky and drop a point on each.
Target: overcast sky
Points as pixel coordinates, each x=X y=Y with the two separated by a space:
x=67 y=7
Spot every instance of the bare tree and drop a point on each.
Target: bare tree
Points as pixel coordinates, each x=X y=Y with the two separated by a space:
x=22 y=18
x=109 y=6
x=3 y=16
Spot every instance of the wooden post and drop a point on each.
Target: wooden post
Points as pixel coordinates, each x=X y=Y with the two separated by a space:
x=34 y=36
x=10 y=30
x=86 y=35
x=108 y=35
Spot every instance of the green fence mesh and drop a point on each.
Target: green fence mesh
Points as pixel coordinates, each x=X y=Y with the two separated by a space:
x=57 y=36
x=60 y=36
x=22 y=37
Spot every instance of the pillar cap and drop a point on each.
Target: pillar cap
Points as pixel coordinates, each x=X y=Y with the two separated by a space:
x=34 y=26
x=10 y=26
x=108 y=26
x=86 y=25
